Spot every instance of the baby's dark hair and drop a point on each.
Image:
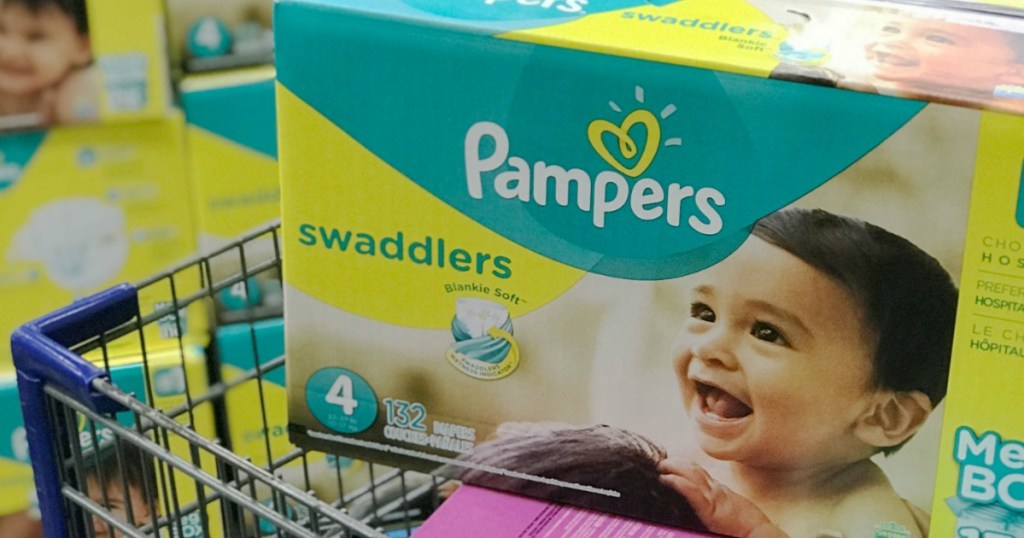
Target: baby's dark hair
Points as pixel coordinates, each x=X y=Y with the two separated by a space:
x=600 y=456
x=908 y=300
x=120 y=464
x=75 y=9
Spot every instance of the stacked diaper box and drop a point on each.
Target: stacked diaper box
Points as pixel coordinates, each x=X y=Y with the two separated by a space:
x=172 y=376
x=87 y=207
x=217 y=36
x=82 y=61
x=92 y=154
x=252 y=363
x=232 y=158
x=254 y=351
x=16 y=483
x=712 y=243
x=94 y=185
x=105 y=179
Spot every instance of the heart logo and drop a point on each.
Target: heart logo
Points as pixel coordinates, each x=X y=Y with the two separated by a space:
x=627 y=144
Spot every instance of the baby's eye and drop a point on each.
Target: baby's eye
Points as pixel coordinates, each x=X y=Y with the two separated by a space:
x=890 y=29
x=702 y=312
x=35 y=37
x=941 y=39
x=768 y=333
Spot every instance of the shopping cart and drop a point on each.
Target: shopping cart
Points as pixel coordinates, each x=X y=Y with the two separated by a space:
x=107 y=462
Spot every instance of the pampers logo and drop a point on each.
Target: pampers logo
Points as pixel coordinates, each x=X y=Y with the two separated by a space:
x=629 y=146
x=564 y=6
x=511 y=14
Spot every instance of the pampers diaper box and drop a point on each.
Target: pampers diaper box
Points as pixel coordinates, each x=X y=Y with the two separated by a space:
x=89 y=61
x=16 y=477
x=252 y=363
x=87 y=207
x=216 y=36
x=232 y=157
x=171 y=376
x=621 y=253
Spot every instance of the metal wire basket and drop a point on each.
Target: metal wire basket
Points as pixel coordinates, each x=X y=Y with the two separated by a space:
x=114 y=460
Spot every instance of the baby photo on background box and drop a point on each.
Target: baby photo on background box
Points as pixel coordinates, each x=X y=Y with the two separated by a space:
x=46 y=73
x=964 y=58
x=82 y=61
x=621 y=231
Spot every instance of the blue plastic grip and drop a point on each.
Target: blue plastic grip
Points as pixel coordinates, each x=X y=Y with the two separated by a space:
x=41 y=357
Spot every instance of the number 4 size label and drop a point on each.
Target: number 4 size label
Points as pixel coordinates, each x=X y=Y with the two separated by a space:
x=341 y=400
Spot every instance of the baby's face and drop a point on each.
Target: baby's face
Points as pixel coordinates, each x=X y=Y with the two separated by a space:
x=939 y=53
x=117 y=506
x=773 y=362
x=37 y=49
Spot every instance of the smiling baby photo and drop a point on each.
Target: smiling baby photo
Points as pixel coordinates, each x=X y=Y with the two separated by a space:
x=46 y=73
x=966 y=58
x=837 y=351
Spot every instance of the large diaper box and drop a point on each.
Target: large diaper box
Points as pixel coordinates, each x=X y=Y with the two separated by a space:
x=231 y=137
x=700 y=263
x=232 y=152
x=215 y=36
x=87 y=207
x=171 y=376
x=73 y=61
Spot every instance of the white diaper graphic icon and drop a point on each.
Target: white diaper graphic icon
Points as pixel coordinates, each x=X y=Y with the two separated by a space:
x=479 y=315
x=81 y=242
x=169 y=382
x=484 y=346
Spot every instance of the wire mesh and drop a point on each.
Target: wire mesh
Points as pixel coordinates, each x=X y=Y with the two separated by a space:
x=192 y=440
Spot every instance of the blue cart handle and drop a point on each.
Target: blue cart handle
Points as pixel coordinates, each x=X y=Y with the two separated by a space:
x=42 y=356
x=41 y=348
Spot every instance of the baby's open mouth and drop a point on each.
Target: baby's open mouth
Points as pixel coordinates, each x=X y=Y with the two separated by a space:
x=894 y=59
x=720 y=403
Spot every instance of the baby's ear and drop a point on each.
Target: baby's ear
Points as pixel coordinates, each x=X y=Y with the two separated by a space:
x=893 y=418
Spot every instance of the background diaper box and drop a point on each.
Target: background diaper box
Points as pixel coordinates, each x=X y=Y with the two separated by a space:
x=513 y=228
x=87 y=207
x=255 y=351
x=232 y=155
x=165 y=389
x=214 y=36
x=252 y=363
x=82 y=61
x=16 y=484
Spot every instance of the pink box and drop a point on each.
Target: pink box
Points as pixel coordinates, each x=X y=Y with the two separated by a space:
x=472 y=512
